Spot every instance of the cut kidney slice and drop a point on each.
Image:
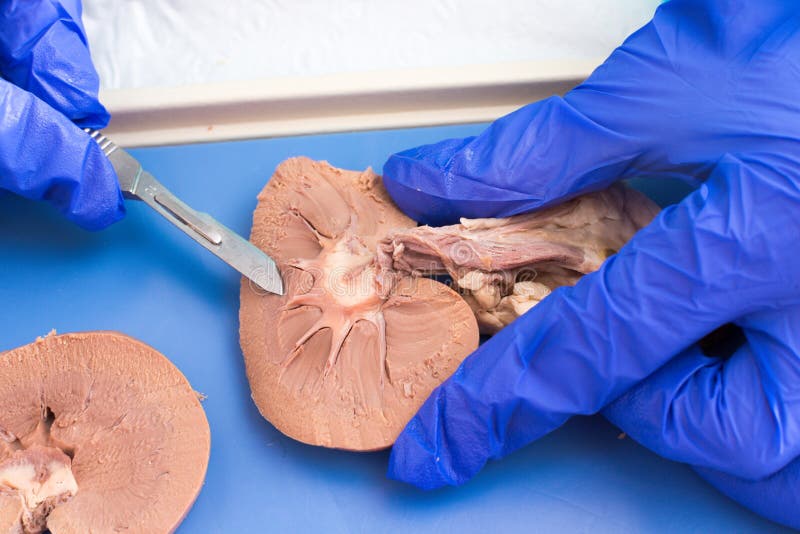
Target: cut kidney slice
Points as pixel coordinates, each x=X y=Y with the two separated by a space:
x=344 y=359
x=98 y=433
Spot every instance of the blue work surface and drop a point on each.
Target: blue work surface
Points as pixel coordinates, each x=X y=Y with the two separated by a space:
x=145 y=278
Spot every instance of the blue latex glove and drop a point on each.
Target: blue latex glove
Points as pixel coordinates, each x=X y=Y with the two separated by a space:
x=706 y=92
x=48 y=92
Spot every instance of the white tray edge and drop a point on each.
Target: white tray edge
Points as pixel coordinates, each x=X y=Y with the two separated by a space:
x=333 y=103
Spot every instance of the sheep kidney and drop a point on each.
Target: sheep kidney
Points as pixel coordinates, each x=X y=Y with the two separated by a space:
x=343 y=359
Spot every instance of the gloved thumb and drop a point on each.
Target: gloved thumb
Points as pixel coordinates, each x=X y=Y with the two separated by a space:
x=540 y=154
x=44 y=156
x=44 y=50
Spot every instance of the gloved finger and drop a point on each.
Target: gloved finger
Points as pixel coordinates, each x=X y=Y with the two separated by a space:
x=739 y=415
x=776 y=497
x=44 y=50
x=716 y=256
x=44 y=156
x=541 y=153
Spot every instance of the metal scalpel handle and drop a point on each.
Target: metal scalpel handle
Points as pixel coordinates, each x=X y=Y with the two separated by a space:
x=138 y=184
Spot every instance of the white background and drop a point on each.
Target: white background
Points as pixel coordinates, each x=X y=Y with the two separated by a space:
x=158 y=43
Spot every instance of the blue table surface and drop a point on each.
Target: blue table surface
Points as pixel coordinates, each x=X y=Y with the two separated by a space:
x=145 y=278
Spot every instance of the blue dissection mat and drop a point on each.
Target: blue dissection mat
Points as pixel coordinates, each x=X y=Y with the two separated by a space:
x=145 y=278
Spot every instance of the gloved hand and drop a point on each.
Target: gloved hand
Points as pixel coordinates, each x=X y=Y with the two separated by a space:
x=48 y=92
x=706 y=92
